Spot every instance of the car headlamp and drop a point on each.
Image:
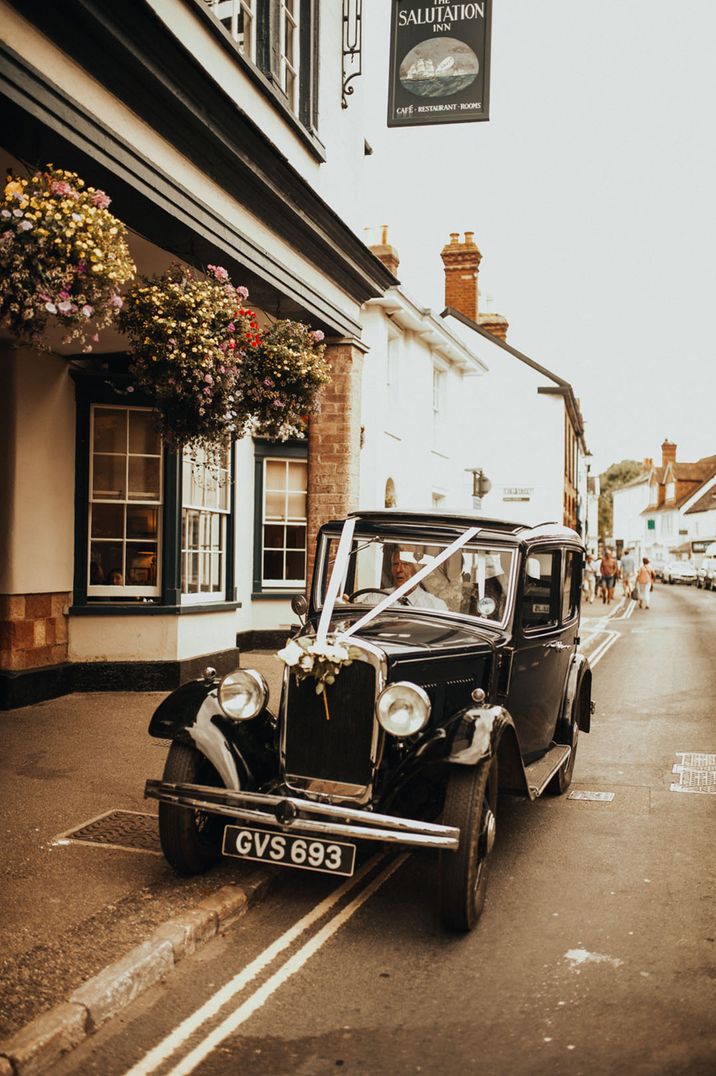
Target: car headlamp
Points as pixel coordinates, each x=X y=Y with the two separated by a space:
x=403 y=709
x=243 y=694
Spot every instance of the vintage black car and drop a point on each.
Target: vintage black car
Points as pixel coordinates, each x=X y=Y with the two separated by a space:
x=449 y=653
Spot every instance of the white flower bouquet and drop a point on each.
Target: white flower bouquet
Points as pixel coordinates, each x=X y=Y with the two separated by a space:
x=305 y=657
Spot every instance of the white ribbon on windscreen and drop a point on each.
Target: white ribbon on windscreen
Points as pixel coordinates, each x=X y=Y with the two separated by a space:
x=340 y=566
x=394 y=596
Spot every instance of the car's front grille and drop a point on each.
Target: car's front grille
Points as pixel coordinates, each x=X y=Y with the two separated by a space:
x=333 y=746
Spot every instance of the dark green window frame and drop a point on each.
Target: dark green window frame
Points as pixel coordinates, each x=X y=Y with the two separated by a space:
x=108 y=388
x=291 y=450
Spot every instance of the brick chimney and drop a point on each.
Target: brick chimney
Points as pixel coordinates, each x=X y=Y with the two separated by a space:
x=387 y=254
x=462 y=262
x=494 y=323
x=668 y=452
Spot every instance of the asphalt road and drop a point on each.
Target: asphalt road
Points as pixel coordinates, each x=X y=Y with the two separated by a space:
x=596 y=953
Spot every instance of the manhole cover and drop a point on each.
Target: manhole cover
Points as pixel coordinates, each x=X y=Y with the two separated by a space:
x=133 y=831
x=600 y=797
x=697 y=772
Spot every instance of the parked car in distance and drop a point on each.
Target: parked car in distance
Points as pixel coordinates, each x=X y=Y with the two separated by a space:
x=680 y=571
x=658 y=565
x=708 y=565
x=458 y=675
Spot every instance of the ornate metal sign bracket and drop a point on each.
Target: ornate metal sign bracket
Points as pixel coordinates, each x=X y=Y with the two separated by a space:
x=352 y=44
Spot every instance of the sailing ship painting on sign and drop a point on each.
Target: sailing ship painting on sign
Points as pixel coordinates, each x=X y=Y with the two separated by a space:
x=439 y=68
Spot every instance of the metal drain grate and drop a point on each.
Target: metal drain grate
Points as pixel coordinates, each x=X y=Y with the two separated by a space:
x=599 y=797
x=697 y=772
x=132 y=831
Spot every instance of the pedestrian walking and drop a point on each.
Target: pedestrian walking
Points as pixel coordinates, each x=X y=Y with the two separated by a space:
x=608 y=569
x=628 y=572
x=644 y=583
x=590 y=578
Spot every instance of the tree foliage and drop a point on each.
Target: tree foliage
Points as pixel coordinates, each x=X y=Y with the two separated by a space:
x=615 y=476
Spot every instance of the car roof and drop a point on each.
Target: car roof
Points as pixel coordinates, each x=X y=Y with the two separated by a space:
x=454 y=523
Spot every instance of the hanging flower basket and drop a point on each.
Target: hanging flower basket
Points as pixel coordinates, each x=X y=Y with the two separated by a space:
x=198 y=350
x=188 y=336
x=63 y=258
x=281 y=379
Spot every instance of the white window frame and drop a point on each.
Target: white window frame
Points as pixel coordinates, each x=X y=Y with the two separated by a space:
x=286 y=521
x=122 y=590
x=216 y=477
x=290 y=70
x=238 y=17
x=439 y=395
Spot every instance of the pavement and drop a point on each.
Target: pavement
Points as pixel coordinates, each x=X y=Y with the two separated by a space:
x=87 y=925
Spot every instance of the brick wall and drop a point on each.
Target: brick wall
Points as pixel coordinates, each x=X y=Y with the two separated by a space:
x=461 y=261
x=33 y=630
x=334 y=443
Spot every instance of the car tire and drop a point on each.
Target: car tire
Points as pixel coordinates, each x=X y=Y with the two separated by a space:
x=471 y=806
x=191 y=840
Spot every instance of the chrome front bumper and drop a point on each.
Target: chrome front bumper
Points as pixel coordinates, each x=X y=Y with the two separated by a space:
x=307 y=816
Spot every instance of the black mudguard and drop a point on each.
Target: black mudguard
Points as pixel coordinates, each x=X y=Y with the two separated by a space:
x=580 y=677
x=242 y=752
x=485 y=731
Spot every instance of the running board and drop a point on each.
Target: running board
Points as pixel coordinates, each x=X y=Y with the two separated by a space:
x=541 y=772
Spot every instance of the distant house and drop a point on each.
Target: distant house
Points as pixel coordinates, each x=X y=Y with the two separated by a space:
x=526 y=426
x=628 y=504
x=674 y=490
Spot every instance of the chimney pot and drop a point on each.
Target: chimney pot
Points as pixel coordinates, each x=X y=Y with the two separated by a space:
x=462 y=262
x=385 y=252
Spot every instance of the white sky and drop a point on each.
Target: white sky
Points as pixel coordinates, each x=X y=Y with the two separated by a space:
x=591 y=192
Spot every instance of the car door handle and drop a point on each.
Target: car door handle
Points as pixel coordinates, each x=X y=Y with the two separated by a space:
x=556 y=646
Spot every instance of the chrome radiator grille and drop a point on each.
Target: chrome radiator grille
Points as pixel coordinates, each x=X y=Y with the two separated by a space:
x=334 y=747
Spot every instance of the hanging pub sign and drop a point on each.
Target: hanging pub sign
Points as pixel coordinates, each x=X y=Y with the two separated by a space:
x=439 y=62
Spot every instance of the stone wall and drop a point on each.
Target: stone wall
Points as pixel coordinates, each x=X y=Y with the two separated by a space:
x=33 y=630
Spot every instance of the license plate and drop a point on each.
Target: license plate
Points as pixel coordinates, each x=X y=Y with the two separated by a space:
x=290 y=850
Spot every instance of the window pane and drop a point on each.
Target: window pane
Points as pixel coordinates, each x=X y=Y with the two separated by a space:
x=107 y=521
x=273 y=537
x=275 y=505
x=191 y=583
x=110 y=430
x=106 y=567
x=142 y=522
x=295 y=537
x=297 y=476
x=108 y=478
x=275 y=474
x=143 y=436
x=192 y=530
x=143 y=478
x=206 y=572
x=141 y=564
x=297 y=505
x=273 y=565
x=295 y=565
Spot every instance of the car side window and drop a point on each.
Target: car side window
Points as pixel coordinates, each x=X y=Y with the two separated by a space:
x=539 y=607
x=571 y=583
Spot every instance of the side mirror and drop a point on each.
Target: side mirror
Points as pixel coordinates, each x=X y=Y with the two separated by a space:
x=299 y=606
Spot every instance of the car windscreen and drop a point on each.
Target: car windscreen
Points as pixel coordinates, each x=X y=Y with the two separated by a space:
x=475 y=580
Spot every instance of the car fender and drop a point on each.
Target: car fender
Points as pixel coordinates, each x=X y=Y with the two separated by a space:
x=579 y=673
x=192 y=715
x=485 y=731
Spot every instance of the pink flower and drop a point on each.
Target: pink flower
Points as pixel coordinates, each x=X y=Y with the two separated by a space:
x=87 y=310
x=318 y=336
x=64 y=295
x=65 y=307
x=130 y=388
x=50 y=308
x=242 y=292
x=99 y=198
x=116 y=301
x=231 y=327
x=219 y=272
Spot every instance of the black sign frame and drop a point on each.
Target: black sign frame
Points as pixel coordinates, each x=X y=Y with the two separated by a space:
x=439 y=62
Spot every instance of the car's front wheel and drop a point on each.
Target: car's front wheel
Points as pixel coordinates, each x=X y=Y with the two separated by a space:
x=191 y=840
x=471 y=806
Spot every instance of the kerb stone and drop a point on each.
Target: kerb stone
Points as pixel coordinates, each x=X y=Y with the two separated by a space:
x=119 y=984
x=42 y=1042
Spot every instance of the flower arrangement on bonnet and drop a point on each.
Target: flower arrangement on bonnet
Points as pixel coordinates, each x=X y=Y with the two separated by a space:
x=63 y=258
x=199 y=351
